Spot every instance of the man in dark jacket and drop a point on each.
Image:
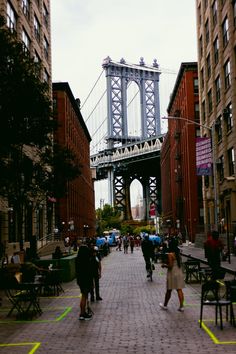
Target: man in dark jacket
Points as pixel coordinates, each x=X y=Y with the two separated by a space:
x=148 y=252
x=96 y=270
x=84 y=279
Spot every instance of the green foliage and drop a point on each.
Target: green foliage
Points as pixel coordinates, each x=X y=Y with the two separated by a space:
x=64 y=168
x=126 y=229
x=25 y=108
x=107 y=218
x=149 y=229
x=29 y=162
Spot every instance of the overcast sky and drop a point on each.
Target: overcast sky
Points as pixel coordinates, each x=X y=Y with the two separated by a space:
x=84 y=32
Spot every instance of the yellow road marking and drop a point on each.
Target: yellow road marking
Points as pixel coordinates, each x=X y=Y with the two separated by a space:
x=213 y=337
x=32 y=351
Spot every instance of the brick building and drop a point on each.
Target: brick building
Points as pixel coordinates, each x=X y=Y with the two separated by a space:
x=181 y=188
x=216 y=38
x=75 y=213
x=30 y=21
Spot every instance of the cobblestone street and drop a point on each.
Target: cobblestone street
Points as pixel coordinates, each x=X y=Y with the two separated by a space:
x=128 y=320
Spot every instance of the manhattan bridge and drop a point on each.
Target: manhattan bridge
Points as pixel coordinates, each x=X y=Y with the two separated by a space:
x=126 y=133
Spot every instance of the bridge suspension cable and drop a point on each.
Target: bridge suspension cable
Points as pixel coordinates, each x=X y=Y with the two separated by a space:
x=90 y=92
x=96 y=105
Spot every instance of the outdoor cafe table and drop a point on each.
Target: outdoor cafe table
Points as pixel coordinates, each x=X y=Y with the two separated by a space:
x=24 y=298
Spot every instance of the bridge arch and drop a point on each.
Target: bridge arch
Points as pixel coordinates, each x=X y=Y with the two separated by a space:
x=134 y=116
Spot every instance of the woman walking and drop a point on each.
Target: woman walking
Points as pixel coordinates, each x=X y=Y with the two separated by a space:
x=175 y=276
x=84 y=277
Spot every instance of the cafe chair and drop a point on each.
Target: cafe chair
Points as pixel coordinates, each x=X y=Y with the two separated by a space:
x=192 y=269
x=23 y=297
x=210 y=296
x=231 y=295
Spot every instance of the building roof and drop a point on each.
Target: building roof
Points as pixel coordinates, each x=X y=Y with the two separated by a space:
x=64 y=86
x=186 y=66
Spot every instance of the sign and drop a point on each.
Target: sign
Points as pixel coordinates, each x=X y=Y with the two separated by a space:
x=203 y=156
x=152 y=211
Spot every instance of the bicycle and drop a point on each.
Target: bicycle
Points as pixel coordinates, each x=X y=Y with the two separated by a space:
x=149 y=267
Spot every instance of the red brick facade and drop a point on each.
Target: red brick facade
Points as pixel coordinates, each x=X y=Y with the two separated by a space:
x=181 y=188
x=76 y=211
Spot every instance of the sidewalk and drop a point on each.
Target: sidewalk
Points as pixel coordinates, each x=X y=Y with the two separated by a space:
x=198 y=253
x=128 y=320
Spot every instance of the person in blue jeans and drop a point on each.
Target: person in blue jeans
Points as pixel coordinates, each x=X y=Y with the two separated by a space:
x=97 y=271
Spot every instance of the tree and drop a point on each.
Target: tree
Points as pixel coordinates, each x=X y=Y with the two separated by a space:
x=28 y=161
x=108 y=218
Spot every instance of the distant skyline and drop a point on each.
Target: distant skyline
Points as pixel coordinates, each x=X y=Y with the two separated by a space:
x=85 y=32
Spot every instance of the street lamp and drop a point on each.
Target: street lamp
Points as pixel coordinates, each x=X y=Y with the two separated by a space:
x=85 y=230
x=212 y=130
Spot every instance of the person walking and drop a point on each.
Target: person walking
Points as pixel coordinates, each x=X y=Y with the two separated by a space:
x=175 y=276
x=84 y=278
x=119 y=243
x=213 y=249
x=125 y=244
x=131 y=242
x=97 y=271
x=148 y=253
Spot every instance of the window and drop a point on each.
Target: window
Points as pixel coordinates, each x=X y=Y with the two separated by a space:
x=45 y=76
x=46 y=48
x=214 y=13
x=207 y=32
x=36 y=28
x=203 y=111
x=209 y=97
x=217 y=89
x=202 y=79
x=216 y=50
x=199 y=14
x=218 y=128
x=228 y=117
x=234 y=11
x=231 y=161
x=196 y=112
x=36 y=57
x=45 y=16
x=26 y=8
x=225 y=31
x=208 y=65
x=11 y=17
x=26 y=41
x=195 y=85
x=200 y=46
x=227 y=74
x=220 y=167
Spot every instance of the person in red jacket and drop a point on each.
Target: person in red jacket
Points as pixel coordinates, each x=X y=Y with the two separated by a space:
x=213 y=250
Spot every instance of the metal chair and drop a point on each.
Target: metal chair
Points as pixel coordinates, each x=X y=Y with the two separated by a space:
x=210 y=296
x=231 y=295
x=192 y=269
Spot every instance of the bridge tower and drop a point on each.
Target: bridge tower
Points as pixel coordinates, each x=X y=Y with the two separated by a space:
x=118 y=76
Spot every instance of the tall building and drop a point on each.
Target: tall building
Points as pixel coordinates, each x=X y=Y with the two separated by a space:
x=216 y=36
x=181 y=187
x=30 y=20
x=75 y=213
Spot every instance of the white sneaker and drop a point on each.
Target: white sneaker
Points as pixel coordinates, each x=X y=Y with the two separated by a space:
x=181 y=309
x=162 y=306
